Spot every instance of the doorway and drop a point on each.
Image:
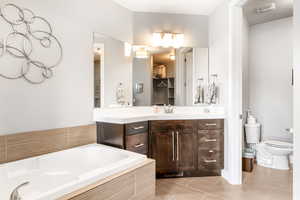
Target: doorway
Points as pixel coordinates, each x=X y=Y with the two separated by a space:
x=238 y=74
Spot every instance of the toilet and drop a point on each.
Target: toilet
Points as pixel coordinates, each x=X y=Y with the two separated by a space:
x=269 y=153
x=274 y=154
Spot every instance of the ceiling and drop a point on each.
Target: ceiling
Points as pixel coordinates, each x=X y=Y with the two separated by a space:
x=196 y=7
x=284 y=8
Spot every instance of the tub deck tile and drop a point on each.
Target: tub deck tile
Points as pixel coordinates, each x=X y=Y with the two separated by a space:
x=133 y=184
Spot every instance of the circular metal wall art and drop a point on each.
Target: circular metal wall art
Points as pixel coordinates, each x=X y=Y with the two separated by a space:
x=19 y=44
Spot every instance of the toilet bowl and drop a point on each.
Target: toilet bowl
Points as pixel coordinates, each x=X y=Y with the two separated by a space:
x=274 y=154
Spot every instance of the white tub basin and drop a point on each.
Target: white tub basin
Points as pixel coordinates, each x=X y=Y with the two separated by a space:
x=54 y=175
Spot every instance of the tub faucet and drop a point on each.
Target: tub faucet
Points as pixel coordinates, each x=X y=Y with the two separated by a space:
x=15 y=193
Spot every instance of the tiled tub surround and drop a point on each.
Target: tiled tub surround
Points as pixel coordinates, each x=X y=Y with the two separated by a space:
x=24 y=145
x=84 y=172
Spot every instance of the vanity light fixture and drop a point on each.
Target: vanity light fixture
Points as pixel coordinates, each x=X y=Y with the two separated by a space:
x=156 y=39
x=167 y=40
x=178 y=40
x=141 y=52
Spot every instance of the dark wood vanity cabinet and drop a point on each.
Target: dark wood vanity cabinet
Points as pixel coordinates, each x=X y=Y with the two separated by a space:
x=180 y=147
x=132 y=137
x=188 y=147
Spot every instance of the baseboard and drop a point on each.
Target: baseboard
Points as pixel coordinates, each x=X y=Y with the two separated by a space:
x=226 y=175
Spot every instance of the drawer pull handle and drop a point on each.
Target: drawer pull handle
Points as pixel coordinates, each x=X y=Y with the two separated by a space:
x=210 y=161
x=214 y=124
x=173 y=146
x=138 y=127
x=139 y=145
x=210 y=140
x=211 y=151
x=177 y=145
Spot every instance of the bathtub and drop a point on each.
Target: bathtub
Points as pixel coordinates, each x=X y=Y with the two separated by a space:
x=56 y=174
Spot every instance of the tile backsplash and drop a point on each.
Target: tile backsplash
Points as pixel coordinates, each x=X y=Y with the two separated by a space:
x=24 y=145
x=2 y=149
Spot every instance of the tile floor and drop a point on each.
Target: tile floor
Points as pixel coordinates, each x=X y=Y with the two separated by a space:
x=261 y=184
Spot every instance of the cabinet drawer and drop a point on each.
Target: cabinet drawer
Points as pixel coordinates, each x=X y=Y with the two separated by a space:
x=134 y=128
x=211 y=124
x=210 y=139
x=210 y=159
x=137 y=143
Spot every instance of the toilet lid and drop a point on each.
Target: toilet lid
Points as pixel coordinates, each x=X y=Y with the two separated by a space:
x=279 y=144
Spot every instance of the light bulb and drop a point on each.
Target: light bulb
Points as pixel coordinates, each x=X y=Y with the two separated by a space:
x=178 y=40
x=156 y=39
x=167 y=40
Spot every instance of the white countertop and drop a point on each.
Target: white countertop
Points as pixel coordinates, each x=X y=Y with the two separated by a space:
x=125 y=115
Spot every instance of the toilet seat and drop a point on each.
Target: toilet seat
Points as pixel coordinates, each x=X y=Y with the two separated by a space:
x=279 y=144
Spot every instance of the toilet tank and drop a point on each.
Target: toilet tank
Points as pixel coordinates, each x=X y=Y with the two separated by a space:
x=252 y=133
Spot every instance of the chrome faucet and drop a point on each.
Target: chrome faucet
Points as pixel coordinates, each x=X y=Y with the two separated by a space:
x=15 y=193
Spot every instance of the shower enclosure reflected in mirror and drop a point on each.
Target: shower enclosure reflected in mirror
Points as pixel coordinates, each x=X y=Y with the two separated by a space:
x=169 y=76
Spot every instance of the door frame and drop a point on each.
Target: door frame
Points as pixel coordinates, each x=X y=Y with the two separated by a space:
x=101 y=45
x=234 y=171
x=296 y=99
x=189 y=88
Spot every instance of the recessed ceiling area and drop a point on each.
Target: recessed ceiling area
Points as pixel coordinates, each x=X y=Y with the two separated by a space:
x=284 y=8
x=195 y=7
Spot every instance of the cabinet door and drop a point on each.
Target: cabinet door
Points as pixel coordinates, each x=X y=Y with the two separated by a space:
x=186 y=150
x=163 y=151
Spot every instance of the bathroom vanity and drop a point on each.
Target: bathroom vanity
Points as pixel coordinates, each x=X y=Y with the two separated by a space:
x=189 y=142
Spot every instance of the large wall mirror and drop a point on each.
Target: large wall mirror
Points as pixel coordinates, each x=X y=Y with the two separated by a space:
x=168 y=76
x=112 y=70
x=148 y=75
